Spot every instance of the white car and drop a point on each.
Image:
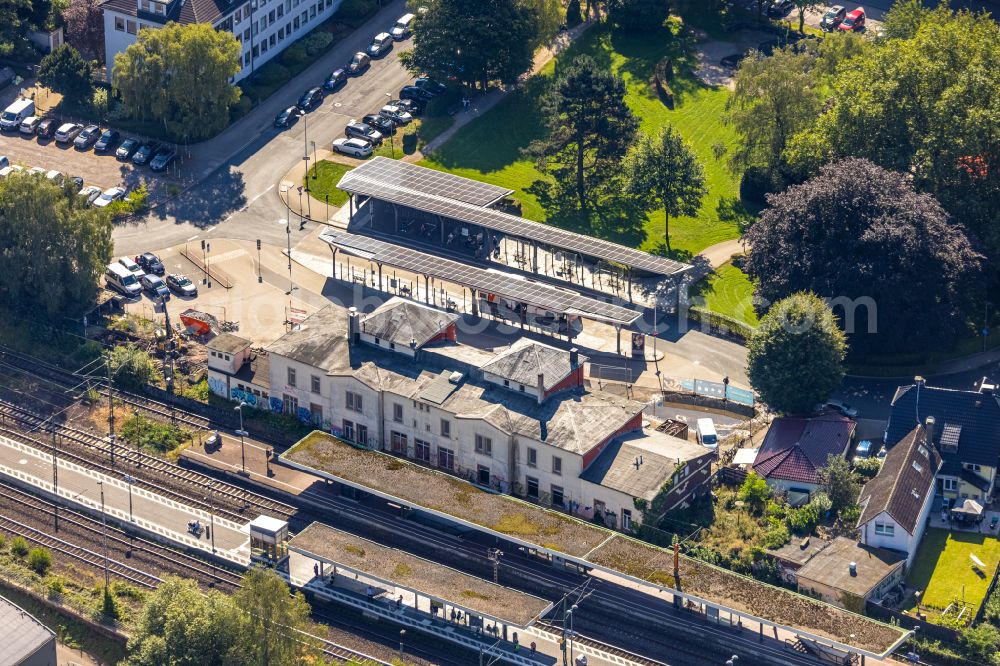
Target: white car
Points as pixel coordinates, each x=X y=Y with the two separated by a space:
x=55 y=176
x=37 y=171
x=396 y=114
x=109 y=195
x=67 y=132
x=7 y=170
x=353 y=147
x=90 y=194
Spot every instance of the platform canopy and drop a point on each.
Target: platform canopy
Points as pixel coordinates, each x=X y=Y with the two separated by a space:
x=403 y=570
x=505 y=285
x=467 y=200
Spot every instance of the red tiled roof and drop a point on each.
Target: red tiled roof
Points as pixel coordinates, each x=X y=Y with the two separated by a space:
x=795 y=448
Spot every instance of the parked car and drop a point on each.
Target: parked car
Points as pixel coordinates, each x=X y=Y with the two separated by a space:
x=181 y=285
x=37 y=171
x=381 y=43
x=385 y=126
x=288 y=117
x=429 y=85
x=154 y=286
x=337 y=78
x=842 y=407
x=47 y=128
x=358 y=64
x=402 y=28
x=88 y=137
x=353 y=147
x=109 y=195
x=145 y=152
x=416 y=93
x=30 y=125
x=780 y=7
x=4 y=161
x=855 y=21
x=311 y=99
x=864 y=449
x=411 y=106
x=77 y=183
x=150 y=263
x=396 y=114
x=67 y=132
x=833 y=17
x=89 y=194
x=162 y=159
x=55 y=176
x=364 y=131
x=107 y=141
x=127 y=149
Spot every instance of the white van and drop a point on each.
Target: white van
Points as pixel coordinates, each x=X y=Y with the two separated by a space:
x=12 y=116
x=122 y=280
x=706 y=434
x=132 y=267
x=402 y=29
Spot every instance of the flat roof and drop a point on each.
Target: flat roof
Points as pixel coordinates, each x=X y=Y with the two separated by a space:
x=717 y=586
x=21 y=633
x=228 y=342
x=401 y=569
x=506 y=285
x=831 y=566
x=447 y=496
x=397 y=173
x=415 y=187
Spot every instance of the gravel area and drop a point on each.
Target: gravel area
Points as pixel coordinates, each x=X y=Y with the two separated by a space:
x=406 y=570
x=745 y=594
x=440 y=492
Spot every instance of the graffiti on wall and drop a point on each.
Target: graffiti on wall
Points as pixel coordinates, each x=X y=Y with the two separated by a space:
x=275 y=405
x=245 y=396
x=217 y=386
x=304 y=415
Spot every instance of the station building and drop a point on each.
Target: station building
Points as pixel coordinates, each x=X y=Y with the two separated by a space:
x=519 y=420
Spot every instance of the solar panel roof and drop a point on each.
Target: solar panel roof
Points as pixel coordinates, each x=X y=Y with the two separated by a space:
x=412 y=177
x=412 y=192
x=505 y=285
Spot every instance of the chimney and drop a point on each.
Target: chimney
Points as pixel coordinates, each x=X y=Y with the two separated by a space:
x=541 y=388
x=352 y=325
x=929 y=424
x=574 y=357
x=853 y=567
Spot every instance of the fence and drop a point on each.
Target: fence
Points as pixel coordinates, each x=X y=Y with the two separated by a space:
x=927 y=629
x=990 y=591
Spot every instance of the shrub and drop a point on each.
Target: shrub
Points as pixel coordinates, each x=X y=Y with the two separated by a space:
x=149 y=434
x=777 y=534
x=294 y=55
x=804 y=519
x=354 y=9
x=757 y=181
x=99 y=104
x=138 y=199
x=55 y=585
x=755 y=492
x=40 y=560
x=18 y=547
x=317 y=42
x=273 y=74
x=3 y=540
x=868 y=467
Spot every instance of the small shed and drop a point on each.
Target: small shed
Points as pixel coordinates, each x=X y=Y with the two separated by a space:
x=268 y=540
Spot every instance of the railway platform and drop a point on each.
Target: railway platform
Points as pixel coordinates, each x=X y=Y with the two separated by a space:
x=124 y=503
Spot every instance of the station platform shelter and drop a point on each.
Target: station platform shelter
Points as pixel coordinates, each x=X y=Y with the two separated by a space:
x=392 y=585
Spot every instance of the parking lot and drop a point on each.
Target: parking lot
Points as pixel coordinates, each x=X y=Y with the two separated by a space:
x=102 y=170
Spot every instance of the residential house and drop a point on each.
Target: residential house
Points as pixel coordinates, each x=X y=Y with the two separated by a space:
x=848 y=574
x=519 y=420
x=264 y=28
x=896 y=503
x=965 y=428
x=796 y=448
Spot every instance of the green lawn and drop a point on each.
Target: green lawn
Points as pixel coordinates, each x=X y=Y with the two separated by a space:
x=944 y=571
x=490 y=148
x=727 y=291
x=323 y=179
x=407 y=140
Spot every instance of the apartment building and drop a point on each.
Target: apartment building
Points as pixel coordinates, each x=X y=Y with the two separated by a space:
x=518 y=420
x=264 y=28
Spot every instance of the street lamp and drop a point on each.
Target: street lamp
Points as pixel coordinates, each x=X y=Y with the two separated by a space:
x=392 y=130
x=211 y=517
x=732 y=660
x=402 y=635
x=104 y=538
x=242 y=433
x=288 y=233
x=129 y=480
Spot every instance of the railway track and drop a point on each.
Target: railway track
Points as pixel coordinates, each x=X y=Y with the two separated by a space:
x=137 y=462
x=600 y=648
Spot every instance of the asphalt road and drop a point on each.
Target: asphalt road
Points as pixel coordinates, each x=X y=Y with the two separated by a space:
x=237 y=196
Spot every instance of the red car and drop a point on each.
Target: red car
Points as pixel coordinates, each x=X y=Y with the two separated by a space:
x=854 y=21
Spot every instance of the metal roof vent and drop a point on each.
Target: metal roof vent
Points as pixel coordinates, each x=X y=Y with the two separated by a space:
x=455 y=377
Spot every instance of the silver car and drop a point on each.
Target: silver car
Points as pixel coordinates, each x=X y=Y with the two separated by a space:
x=354 y=147
x=67 y=132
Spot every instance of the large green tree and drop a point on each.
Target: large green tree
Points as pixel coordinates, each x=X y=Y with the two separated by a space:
x=274 y=623
x=639 y=15
x=85 y=27
x=773 y=98
x=900 y=272
x=795 y=358
x=52 y=249
x=663 y=172
x=840 y=483
x=925 y=102
x=477 y=43
x=179 y=76
x=14 y=26
x=68 y=73
x=589 y=130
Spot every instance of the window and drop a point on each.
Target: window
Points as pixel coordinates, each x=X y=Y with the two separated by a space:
x=238 y=16
x=362 y=434
x=281 y=33
x=305 y=17
x=246 y=35
x=557 y=495
x=626 y=519
x=349 y=430
x=532 y=458
x=399 y=443
x=291 y=404
x=422 y=450
x=227 y=357
x=296 y=22
x=246 y=58
x=263 y=46
x=316 y=413
x=884 y=529
x=281 y=11
x=445 y=428
x=272 y=40
x=949 y=484
x=397 y=413
x=353 y=402
x=520 y=387
x=484 y=445
x=329 y=3
x=532 y=484
x=556 y=465
x=972 y=466
x=130 y=27
x=446 y=458
x=314 y=384
x=270 y=16
x=119 y=24
x=312 y=12
x=291 y=371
